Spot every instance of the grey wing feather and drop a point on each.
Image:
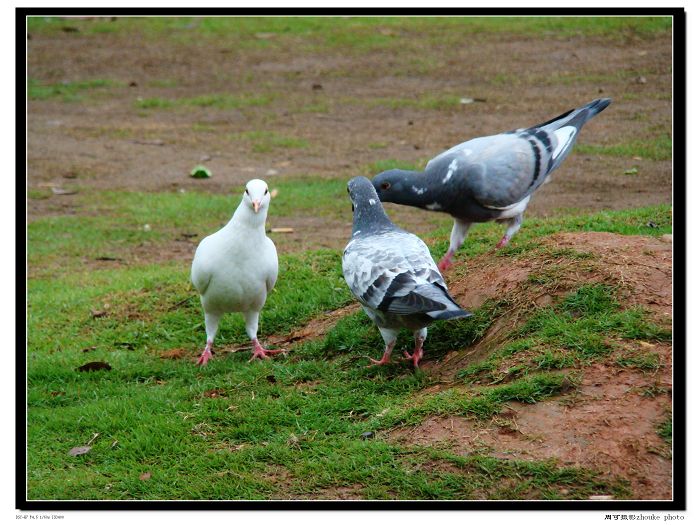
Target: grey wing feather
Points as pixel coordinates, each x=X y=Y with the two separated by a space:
x=388 y=265
x=499 y=171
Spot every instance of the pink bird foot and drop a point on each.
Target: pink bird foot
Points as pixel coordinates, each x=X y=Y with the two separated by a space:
x=206 y=356
x=385 y=360
x=446 y=261
x=415 y=357
x=262 y=353
x=504 y=240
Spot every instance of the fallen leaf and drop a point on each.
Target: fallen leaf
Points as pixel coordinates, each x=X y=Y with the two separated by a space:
x=316 y=86
x=93 y=366
x=645 y=344
x=56 y=394
x=98 y=313
x=107 y=258
x=145 y=476
x=667 y=237
x=215 y=392
x=89 y=349
x=79 y=451
x=282 y=230
x=601 y=497
x=367 y=435
x=175 y=353
x=274 y=193
x=631 y=171
x=652 y=224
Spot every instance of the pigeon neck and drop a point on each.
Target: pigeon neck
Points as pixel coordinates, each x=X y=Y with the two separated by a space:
x=244 y=217
x=370 y=217
x=415 y=188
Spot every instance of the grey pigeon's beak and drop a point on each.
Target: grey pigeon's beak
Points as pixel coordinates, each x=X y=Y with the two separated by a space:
x=256 y=206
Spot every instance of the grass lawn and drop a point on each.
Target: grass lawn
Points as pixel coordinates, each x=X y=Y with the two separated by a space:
x=288 y=427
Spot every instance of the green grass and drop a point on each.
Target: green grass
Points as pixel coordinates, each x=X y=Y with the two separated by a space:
x=660 y=148
x=362 y=34
x=297 y=418
x=576 y=332
x=67 y=91
x=665 y=430
x=389 y=164
x=219 y=101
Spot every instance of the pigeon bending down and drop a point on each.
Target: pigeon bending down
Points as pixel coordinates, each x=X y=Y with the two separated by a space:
x=235 y=268
x=392 y=274
x=488 y=178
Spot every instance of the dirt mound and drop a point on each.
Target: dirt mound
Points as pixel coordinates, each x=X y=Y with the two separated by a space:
x=640 y=266
x=610 y=422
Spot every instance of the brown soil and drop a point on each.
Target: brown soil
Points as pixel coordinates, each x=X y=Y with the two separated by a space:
x=106 y=142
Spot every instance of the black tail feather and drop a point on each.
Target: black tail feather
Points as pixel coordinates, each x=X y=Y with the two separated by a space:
x=449 y=314
x=582 y=114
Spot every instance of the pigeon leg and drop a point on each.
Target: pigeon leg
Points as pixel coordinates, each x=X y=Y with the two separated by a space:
x=251 y=327
x=459 y=232
x=211 y=324
x=389 y=337
x=419 y=337
x=513 y=227
x=386 y=358
x=259 y=352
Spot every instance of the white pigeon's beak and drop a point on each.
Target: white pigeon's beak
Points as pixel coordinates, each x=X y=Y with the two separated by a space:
x=256 y=206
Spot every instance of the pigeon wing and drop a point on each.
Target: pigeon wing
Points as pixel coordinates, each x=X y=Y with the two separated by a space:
x=498 y=171
x=393 y=272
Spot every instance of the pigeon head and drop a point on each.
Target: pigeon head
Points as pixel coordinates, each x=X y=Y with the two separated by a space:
x=256 y=195
x=399 y=186
x=368 y=212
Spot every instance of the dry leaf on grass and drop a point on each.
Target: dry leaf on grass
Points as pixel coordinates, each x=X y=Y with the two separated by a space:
x=92 y=366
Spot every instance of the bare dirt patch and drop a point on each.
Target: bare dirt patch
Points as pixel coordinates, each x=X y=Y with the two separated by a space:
x=105 y=141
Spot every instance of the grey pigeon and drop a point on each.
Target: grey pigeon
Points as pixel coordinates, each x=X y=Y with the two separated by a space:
x=488 y=178
x=392 y=274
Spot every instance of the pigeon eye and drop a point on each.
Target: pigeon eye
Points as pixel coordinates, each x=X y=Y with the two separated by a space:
x=386 y=185
x=266 y=192
x=246 y=191
x=353 y=207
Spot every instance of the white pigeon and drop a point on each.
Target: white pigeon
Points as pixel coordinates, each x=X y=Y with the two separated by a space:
x=392 y=274
x=235 y=268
